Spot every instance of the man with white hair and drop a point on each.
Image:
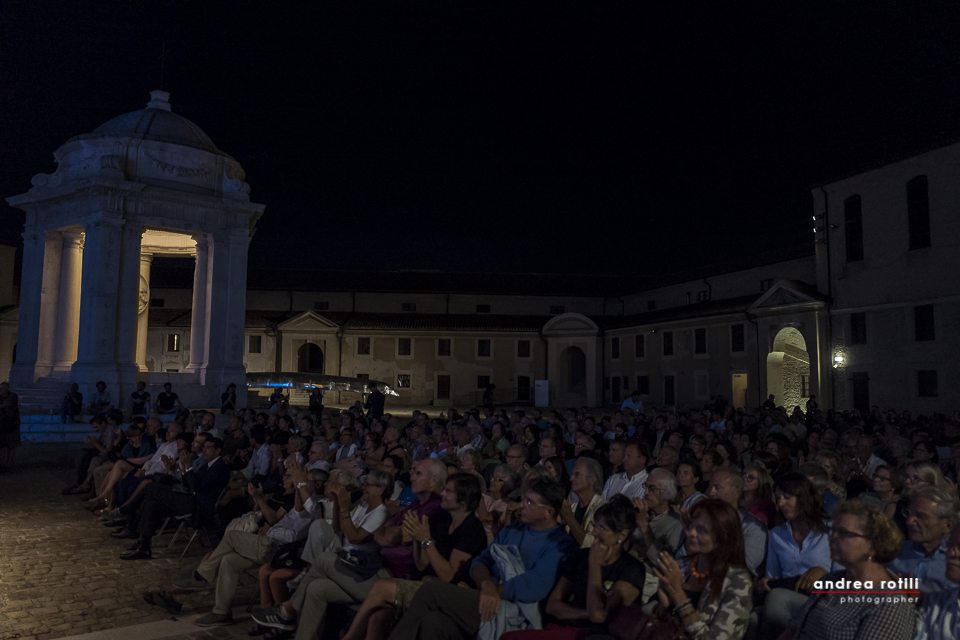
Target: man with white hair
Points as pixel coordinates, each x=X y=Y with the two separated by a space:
x=659 y=525
x=933 y=513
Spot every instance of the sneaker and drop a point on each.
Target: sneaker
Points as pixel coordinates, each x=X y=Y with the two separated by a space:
x=189 y=582
x=214 y=620
x=273 y=618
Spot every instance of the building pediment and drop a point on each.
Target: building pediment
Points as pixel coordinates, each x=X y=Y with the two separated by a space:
x=783 y=294
x=570 y=324
x=308 y=321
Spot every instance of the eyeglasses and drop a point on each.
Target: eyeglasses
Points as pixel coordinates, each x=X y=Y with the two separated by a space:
x=844 y=534
x=884 y=478
x=531 y=503
x=748 y=476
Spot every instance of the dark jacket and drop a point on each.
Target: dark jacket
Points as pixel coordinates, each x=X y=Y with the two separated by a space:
x=375 y=404
x=206 y=484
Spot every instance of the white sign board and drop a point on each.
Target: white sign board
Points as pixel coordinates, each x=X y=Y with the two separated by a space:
x=541 y=393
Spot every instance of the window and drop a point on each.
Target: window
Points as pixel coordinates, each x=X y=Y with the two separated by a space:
x=927 y=384
x=482 y=382
x=173 y=342
x=853 y=228
x=703 y=295
x=918 y=212
x=923 y=323
x=640 y=347
x=858 y=328
x=254 y=344
x=523 y=348
x=363 y=376
x=615 y=348
x=172 y=370
x=643 y=384
x=443 y=347
x=556 y=309
x=319 y=305
x=766 y=284
x=483 y=348
x=408 y=306
x=403 y=380
x=668 y=343
x=443 y=387
x=651 y=305
x=363 y=346
x=156 y=302
x=700 y=341
x=737 y=338
x=404 y=346
x=626 y=383
x=483 y=308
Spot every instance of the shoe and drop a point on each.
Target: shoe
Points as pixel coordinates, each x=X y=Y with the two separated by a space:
x=111 y=514
x=113 y=524
x=189 y=582
x=124 y=534
x=75 y=490
x=214 y=620
x=162 y=600
x=95 y=505
x=134 y=546
x=258 y=630
x=138 y=554
x=271 y=618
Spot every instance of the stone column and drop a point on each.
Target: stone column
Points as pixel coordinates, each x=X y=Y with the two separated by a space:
x=199 y=318
x=128 y=297
x=28 y=330
x=68 y=303
x=143 y=310
x=53 y=247
x=97 y=349
x=227 y=311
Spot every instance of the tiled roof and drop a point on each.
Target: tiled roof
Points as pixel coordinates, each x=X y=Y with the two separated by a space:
x=686 y=312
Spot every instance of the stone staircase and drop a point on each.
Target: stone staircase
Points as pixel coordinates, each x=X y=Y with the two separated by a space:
x=43 y=427
x=43 y=396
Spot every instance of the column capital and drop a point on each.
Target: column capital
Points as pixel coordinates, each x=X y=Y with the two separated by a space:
x=72 y=237
x=146 y=257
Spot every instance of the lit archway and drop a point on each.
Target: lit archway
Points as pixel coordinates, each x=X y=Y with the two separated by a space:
x=788 y=369
x=310 y=358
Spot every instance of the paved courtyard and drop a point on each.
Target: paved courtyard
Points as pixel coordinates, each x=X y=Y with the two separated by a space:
x=60 y=572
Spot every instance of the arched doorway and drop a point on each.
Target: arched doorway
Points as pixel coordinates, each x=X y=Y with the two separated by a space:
x=788 y=369
x=310 y=358
x=573 y=376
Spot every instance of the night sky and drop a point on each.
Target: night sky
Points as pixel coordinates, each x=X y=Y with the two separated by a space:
x=517 y=136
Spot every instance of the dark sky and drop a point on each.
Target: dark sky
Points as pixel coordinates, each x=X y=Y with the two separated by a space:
x=515 y=136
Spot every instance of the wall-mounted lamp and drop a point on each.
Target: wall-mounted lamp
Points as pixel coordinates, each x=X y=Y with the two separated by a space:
x=837 y=361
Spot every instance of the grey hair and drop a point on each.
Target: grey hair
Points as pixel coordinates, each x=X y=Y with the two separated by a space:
x=594 y=472
x=669 y=483
x=902 y=442
x=511 y=480
x=383 y=481
x=344 y=478
x=436 y=470
x=947 y=506
x=521 y=449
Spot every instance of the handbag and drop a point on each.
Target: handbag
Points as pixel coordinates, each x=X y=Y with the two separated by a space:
x=247 y=523
x=287 y=556
x=633 y=624
x=363 y=565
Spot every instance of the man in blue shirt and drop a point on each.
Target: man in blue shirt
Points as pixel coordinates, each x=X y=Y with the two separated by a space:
x=439 y=611
x=932 y=514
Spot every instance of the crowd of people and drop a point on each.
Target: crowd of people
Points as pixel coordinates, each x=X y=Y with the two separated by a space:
x=721 y=523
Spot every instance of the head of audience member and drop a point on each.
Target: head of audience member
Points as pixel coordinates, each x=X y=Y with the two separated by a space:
x=768 y=461
x=635 y=458
x=728 y=452
x=197 y=443
x=715 y=532
x=661 y=490
x=586 y=479
x=798 y=501
x=615 y=453
x=727 y=486
x=316 y=481
x=817 y=475
x=757 y=479
x=688 y=475
x=667 y=458
x=953 y=555
x=462 y=493
x=547 y=448
x=296 y=444
x=516 y=457
x=614 y=522
x=541 y=504
x=886 y=482
x=861 y=534
x=340 y=478
x=392 y=464
x=919 y=474
x=211 y=449
x=315 y=453
x=173 y=430
x=504 y=482
x=930 y=517
x=377 y=487
x=583 y=442
x=134 y=435
x=428 y=477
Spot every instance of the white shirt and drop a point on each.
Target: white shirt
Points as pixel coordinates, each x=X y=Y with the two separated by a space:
x=155 y=464
x=633 y=487
x=369 y=521
x=630 y=404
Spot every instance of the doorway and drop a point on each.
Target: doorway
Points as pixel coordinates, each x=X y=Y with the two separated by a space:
x=738 y=390
x=310 y=359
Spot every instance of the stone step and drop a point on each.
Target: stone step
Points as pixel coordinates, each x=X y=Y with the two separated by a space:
x=52 y=430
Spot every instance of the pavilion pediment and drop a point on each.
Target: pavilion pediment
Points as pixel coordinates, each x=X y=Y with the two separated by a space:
x=308 y=321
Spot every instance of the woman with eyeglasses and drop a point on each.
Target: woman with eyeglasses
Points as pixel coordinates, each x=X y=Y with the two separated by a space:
x=861 y=539
x=914 y=476
x=504 y=483
x=886 y=488
x=757 y=497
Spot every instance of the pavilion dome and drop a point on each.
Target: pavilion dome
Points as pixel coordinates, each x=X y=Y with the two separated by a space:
x=155 y=122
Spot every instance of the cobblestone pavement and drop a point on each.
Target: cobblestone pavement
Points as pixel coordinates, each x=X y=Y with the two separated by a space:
x=60 y=572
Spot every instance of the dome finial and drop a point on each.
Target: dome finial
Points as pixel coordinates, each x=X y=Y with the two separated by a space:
x=159 y=100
